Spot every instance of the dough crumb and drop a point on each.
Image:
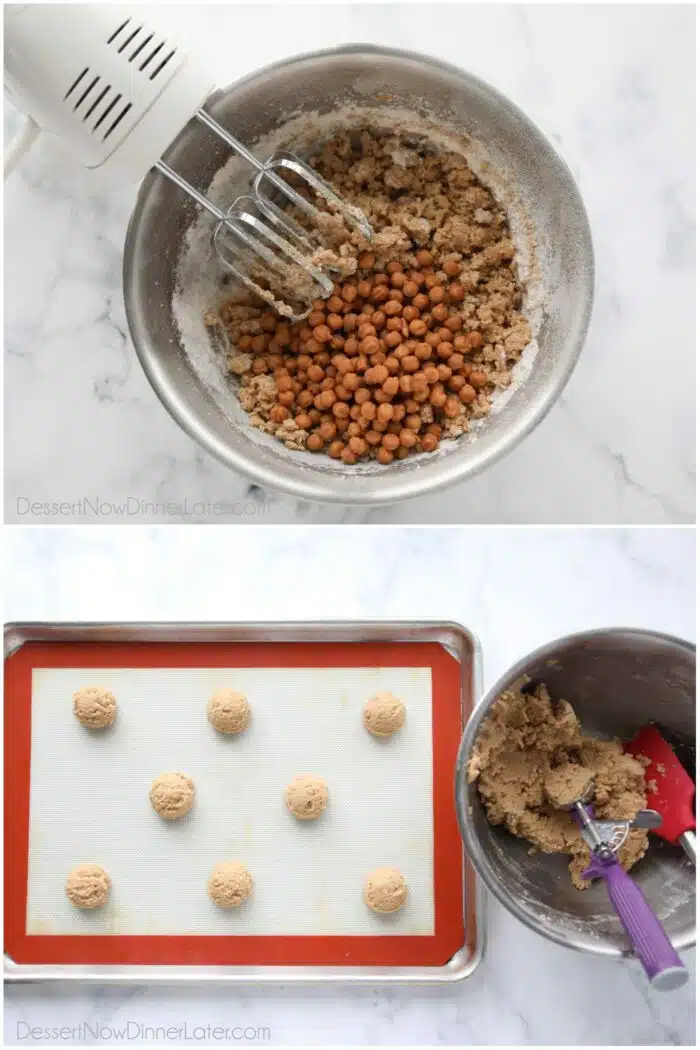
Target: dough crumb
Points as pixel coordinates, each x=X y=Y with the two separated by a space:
x=230 y=884
x=88 y=886
x=172 y=795
x=94 y=707
x=306 y=796
x=228 y=711
x=383 y=714
x=529 y=743
x=385 y=890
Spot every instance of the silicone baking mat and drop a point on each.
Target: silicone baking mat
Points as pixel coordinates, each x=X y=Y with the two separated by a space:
x=78 y=796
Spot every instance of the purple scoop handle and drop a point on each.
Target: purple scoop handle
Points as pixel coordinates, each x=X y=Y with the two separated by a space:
x=657 y=955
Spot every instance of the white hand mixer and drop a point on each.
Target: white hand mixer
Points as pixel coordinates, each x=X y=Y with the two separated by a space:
x=118 y=91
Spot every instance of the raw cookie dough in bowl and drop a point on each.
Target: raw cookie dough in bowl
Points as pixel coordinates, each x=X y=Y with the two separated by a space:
x=531 y=762
x=172 y=279
x=571 y=702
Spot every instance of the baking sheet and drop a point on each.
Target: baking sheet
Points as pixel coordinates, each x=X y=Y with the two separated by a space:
x=452 y=954
x=89 y=801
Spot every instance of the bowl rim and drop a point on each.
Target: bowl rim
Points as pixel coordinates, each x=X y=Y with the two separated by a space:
x=471 y=843
x=391 y=486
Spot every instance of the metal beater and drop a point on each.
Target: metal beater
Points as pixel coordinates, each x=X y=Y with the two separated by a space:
x=118 y=90
x=255 y=224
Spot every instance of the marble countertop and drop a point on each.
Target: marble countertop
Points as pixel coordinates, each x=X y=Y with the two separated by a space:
x=516 y=589
x=612 y=86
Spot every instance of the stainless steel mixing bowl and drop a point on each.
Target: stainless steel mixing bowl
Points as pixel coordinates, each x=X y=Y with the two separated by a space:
x=319 y=82
x=617 y=680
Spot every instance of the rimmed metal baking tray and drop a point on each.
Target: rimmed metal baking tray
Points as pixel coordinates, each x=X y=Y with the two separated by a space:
x=453 y=637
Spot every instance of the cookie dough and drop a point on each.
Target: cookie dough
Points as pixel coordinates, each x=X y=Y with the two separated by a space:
x=431 y=217
x=88 y=886
x=228 y=711
x=94 y=706
x=230 y=884
x=566 y=784
x=531 y=750
x=383 y=714
x=172 y=795
x=306 y=796
x=385 y=890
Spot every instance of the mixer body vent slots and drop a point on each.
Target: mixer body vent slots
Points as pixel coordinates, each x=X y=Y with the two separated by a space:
x=89 y=96
x=145 y=46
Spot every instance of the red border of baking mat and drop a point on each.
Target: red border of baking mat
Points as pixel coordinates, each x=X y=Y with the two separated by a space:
x=220 y=950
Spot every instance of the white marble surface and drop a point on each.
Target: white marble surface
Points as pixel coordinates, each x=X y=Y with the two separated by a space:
x=611 y=85
x=516 y=589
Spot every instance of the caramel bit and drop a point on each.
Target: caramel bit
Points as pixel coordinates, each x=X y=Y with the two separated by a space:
x=422 y=328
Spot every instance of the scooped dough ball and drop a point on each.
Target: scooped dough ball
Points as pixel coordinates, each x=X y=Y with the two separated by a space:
x=385 y=890
x=88 y=886
x=566 y=784
x=94 y=706
x=228 y=711
x=383 y=714
x=172 y=795
x=306 y=796
x=230 y=884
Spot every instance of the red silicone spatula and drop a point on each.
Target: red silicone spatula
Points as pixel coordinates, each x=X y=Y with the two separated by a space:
x=671 y=789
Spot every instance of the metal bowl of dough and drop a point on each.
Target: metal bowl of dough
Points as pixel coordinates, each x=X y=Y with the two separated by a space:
x=538 y=180
x=617 y=680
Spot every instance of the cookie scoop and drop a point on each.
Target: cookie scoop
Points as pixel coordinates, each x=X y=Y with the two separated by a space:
x=661 y=962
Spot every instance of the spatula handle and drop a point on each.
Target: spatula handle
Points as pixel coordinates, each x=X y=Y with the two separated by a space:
x=687 y=841
x=657 y=955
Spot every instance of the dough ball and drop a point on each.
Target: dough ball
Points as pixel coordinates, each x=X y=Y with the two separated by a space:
x=566 y=783
x=306 y=796
x=230 y=884
x=385 y=890
x=383 y=714
x=228 y=711
x=94 y=706
x=172 y=795
x=88 y=886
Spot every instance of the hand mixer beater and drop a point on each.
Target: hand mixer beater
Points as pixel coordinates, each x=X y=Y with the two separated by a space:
x=118 y=91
